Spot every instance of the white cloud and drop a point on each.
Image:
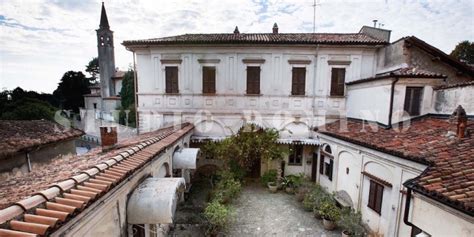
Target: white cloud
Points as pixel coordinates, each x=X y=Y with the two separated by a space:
x=40 y=40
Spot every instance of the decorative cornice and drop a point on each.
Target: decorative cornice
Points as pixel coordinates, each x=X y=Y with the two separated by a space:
x=339 y=62
x=209 y=60
x=253 y=60
x=299 y=61
x=171 y=61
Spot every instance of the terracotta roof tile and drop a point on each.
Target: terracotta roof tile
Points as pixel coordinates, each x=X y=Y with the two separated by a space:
x=50 y=208
x=450 y=175
x=18 y=135
x=261 y=38
x=405 y=72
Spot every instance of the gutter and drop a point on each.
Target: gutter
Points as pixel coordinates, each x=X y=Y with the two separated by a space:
x=390 y=112
x=406 y=212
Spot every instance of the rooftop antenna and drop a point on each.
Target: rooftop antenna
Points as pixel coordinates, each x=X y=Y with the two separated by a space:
x=375 y=23
x=315 y=3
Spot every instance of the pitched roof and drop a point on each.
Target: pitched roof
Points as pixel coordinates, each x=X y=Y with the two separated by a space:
x=261 y=38
x=104 y=22
x=405 y=72
x=448 y=59
x=75 y=184
x=20 y=135
x=450 y=176
x=457 y=85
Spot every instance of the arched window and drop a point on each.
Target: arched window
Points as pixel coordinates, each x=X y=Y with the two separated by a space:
x=326 y=162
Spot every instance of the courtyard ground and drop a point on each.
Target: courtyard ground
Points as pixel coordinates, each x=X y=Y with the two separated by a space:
x=260 y=213
x=257 y=213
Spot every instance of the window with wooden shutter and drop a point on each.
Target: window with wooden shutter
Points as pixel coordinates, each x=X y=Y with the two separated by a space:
x=296 y=155
x=208 y=80
x=171 y=79
x=338 y=76
x=253 y=80
x=298 y=81
x=375 y=196
x=413 y=100
x=328 y=169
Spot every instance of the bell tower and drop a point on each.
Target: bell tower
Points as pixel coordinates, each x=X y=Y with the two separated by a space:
x=105 y=45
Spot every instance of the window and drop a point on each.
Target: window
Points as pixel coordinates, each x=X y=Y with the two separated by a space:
x=296 y=155
x=95 y=105
x=138 y=230
x=337 y=81
x=253 y=80
x=328 y=169
x=375 y=196
x=172 y=80
x=208 y=80
x=413 y=100
x=298 y=81
x=325 y=168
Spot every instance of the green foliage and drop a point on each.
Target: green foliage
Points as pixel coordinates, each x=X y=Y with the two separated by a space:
x=127 y=114
x=27 y=109
x=351 y=222
x=293 y=181
x=464 y=52
x=246 y=147
x=329 y=211
x=227 y=187
x=316 y=195
x=71 y=90
x=218 y=215
x=269 y=176
x=93 y=68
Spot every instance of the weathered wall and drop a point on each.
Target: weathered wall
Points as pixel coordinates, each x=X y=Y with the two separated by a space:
x=369 y=101
x=423 y=60
x=230 y=102
x=389 y=168
x=448 y=99
x=17 y=165
x=438 y=220
x=107 y=217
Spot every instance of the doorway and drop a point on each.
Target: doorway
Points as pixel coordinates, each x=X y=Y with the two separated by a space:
x=314 y=166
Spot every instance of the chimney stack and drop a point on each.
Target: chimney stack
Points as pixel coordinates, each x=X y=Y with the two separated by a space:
x=275 y=28
x=375 y=23
x=236 y=31
x=108 y=137
x=460 y=118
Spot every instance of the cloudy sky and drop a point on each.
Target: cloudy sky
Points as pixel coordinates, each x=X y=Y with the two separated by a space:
x=40 y=40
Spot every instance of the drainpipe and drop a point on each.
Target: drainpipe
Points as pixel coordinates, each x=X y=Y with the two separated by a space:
x=407 y=208
x=135 y=90
x=314 y=81
x=392 y=94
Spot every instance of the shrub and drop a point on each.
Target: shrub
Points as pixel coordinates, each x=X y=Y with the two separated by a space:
x=308 y=202
x=218 y=216
x=351 y=222
x=227 y=187
x=269 y=176
x=329 y=211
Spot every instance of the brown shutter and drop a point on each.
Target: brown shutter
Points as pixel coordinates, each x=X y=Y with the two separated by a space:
x=171 y=80
x=331 y=164
x=298 y=81
x=408 y=96
x=372 y=191
x=253 y=80
x=209 y=80
x=321 y=164
x=378 y=198
x=337 y=81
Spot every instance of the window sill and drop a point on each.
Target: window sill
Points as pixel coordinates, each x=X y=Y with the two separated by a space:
x=209 y=94
x=337 y=96
x=173 y=93
x=253 y=94
x=296 y=164
x=298 y=96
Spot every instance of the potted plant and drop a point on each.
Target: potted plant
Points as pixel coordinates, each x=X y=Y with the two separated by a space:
x=273 y=187
x=301 y=193
x=330 y=213
x=288 y=184
x=351 y=223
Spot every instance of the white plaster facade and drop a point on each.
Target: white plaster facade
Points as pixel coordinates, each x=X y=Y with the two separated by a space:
x=350 y=161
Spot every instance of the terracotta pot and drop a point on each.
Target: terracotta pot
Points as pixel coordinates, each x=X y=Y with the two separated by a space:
x=300 y=196
x=345 y=233
x=289 y=190
x=272 y=187
x=329 y=225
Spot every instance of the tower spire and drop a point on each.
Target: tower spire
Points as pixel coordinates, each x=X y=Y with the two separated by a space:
x=104 y=23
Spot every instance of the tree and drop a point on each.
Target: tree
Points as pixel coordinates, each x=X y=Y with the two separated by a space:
x=464 y=52
x=93 y=68
x=27 y=109
x=127 y=96
x=71 y=89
